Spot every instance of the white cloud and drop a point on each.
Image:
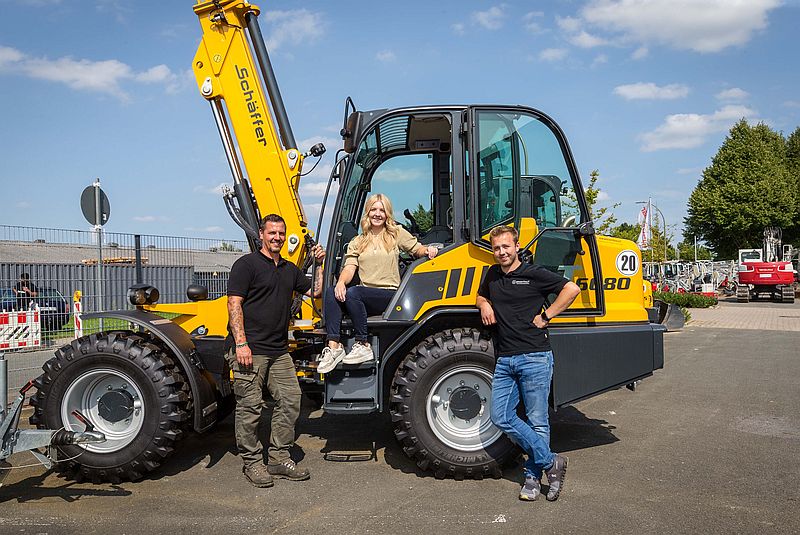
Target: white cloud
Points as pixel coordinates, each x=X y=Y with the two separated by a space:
x=733 y=93
x=603 y=196
x=105 y=76
x=212 y=228
x=385 y=56
x=23 y=204
x=150 y=218
x=491 y=19
x=707 y=26
x=213 y=190
x=600 y=59
x=531 y=21
x=458 y=28
x=792 y=103
x=9 y=55
x=586 y=40
x=159 y=73
x=650 y=91
x=689 y=170
x=640 y=53
x=553 y=54
x=397 y=175
x=569 y=24
x=119 y=8
x=294 y=27
x=332 y=144
x=690 y=130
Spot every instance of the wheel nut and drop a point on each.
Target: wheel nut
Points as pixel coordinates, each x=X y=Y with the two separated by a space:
x=477 y=386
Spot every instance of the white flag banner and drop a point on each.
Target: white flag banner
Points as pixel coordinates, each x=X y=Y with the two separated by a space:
x=644 y=234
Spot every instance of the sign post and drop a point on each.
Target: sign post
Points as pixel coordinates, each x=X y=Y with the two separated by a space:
x=96 y=209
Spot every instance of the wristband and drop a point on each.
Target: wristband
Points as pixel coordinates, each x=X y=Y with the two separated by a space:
x=243 y=344
x=544 y=316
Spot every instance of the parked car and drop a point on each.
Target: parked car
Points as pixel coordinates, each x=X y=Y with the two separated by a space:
x=53 y=306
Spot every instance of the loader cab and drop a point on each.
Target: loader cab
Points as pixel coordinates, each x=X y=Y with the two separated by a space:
x=407 y=156
x=454 y=173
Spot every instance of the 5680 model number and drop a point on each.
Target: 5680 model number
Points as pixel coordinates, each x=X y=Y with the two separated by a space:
x=622 y=283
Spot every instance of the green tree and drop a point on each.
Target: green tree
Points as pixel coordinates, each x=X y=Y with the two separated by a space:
x=746 y=188
x=602 y=216
x=626 y=231
x=686 y=250
x=792 y=234
x=423 y=217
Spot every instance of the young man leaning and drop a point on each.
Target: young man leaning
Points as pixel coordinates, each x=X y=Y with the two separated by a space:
x=511 y=299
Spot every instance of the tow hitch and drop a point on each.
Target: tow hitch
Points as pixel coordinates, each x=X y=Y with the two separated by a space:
x=15 y=440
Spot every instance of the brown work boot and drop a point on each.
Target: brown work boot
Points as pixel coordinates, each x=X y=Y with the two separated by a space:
x=288 y=470
x=258 y=475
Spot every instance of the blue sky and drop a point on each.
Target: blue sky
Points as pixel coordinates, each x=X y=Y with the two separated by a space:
x=646 y=91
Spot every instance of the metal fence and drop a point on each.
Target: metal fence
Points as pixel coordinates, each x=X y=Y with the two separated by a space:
x=59 y=262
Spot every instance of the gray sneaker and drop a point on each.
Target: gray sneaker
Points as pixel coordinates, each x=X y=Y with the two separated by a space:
x=288 y=470
x=530 y=489
x=329 y=359
x=258 y=475
x=360 y=353
x=555 y=477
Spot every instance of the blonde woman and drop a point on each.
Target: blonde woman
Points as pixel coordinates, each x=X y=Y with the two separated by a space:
x=375 y=255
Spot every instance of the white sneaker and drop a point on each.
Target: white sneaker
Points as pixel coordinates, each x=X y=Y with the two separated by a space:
x=329 y=359
x=360 y=353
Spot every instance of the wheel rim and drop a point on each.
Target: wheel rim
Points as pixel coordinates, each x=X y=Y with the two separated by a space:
x=112 y=401
x=475 y=433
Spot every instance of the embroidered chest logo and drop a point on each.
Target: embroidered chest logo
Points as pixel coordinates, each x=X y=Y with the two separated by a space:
x=524 y=282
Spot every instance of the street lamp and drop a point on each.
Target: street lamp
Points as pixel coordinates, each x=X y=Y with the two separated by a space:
x=649 y=203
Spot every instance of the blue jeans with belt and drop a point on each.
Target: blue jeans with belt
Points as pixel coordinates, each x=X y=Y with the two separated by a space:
x=525 y=377
x=360 y=302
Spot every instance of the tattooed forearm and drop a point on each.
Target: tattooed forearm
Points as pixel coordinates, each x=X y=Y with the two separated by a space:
x=236 y=319
x=318 y=282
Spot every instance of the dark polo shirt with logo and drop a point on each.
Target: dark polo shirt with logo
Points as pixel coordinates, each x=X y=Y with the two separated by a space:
x=517 y=297
x=267 y=289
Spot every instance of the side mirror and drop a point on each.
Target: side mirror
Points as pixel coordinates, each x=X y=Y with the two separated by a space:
x=586 y=229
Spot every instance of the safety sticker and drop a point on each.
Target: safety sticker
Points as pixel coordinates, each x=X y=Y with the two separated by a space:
x=628 y=262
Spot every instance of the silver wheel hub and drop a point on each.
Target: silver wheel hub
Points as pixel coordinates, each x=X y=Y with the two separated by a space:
x=112 y=401
x=458 y=408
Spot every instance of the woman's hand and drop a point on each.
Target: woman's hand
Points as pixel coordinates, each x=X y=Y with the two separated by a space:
x=432 y=251
x=340 y=291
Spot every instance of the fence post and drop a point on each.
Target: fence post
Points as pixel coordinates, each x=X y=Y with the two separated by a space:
x=137 y=241
x=76 y=307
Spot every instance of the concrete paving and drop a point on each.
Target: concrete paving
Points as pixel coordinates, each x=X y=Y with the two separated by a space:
x=710 y=444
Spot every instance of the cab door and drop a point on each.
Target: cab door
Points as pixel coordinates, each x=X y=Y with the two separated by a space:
x=522 y=174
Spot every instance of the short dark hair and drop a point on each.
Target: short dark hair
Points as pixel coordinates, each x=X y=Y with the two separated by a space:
x=504 y=229
x=24 y=277
x=271 y=218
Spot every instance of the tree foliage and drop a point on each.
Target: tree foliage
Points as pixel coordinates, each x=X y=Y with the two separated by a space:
x=747 y=187
x=602 y=216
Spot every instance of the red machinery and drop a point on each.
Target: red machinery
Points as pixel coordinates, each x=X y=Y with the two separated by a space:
x=767 y=270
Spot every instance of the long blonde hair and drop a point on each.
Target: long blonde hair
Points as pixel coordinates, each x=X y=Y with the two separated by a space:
x=390 y=229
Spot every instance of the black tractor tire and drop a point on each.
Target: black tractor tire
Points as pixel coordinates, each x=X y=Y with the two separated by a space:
x=129 y=368
x=444 y=358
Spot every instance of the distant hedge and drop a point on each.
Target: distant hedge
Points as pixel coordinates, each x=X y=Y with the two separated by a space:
x=686 y=300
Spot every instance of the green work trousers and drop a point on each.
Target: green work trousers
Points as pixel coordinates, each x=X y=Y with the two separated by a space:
x=278 y=373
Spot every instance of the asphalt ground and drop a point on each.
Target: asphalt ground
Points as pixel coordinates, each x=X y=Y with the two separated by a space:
x=709 y=444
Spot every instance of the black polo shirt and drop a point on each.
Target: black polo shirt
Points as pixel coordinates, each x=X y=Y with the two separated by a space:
x=267 y=290
x=517 y=297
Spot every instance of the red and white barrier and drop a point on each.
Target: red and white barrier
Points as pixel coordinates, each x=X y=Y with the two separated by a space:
x=77 y=312
x=20 y=329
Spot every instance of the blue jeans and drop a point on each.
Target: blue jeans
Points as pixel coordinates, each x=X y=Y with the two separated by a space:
x=526 y=377
x=359 y=303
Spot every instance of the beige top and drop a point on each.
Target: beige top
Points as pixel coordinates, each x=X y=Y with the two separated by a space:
x=377 y=267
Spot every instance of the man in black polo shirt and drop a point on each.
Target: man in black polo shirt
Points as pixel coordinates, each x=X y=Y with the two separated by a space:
x=260 y=291
x=511 y=299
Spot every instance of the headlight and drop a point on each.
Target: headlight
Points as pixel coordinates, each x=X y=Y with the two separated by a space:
x=143 y=294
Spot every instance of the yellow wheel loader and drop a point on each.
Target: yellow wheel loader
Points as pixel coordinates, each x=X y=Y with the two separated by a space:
x=454 y=172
